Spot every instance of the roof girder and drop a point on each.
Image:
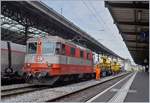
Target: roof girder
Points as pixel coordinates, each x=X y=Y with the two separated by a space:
x=128 y=5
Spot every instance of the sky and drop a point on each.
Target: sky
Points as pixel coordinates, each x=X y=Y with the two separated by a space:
x=94 y=18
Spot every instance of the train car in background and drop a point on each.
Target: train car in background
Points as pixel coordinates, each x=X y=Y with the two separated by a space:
x=12 y=58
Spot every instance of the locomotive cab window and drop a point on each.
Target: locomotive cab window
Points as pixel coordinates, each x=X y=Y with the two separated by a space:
x=32 y=47
x=58 y=48
x=48 y=47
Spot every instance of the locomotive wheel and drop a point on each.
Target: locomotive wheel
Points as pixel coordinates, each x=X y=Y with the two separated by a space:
x=88 y=76
x=93 y=76
x=76 y=78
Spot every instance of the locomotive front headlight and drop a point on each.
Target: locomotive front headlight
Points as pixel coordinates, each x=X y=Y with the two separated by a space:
x=28 y=64
x=39 y=43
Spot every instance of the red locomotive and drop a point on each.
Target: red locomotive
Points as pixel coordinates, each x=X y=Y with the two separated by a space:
x=52 y=58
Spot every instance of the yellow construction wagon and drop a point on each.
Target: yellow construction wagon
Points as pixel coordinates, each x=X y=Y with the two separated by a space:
x=105 y=65
x=115 y=67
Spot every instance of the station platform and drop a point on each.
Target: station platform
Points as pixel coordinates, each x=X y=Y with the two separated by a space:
x=134 y=88
x=140 y=85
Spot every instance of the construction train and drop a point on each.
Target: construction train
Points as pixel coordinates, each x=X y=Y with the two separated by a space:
x=52 y=59
x=109 y=66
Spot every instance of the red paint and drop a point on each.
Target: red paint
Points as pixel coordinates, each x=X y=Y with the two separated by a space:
x=39 y=46
x=59 y=69
x=67 y=50
x=71 y=69
x=91 y=56
x=35 y=67
x=77 y=53
x=39 y=50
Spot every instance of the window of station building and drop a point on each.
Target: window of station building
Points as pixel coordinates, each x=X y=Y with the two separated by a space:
x=72 y=51
x=81 y=54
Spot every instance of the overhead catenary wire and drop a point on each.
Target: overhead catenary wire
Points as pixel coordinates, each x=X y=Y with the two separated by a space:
x=94 y=12
x=101 y=18
x=98 y=18
x=90 y=3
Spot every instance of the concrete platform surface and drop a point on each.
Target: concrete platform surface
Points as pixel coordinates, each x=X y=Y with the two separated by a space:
x=133 y=89
x=140 y=84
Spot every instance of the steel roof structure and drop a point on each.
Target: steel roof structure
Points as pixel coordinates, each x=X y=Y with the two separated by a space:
x=132 y=20
x=31 y=18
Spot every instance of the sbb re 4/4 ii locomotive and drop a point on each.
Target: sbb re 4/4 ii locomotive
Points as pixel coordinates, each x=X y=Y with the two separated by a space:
x=52 y=58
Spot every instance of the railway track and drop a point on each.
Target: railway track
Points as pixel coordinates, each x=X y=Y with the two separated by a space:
x=13 y=90
x=55 y=94
x=15 y=86
x=18 y=89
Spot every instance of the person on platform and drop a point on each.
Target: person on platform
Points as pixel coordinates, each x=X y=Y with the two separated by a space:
x=98 y=72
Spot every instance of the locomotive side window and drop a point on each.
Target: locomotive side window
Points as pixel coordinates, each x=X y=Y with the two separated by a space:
x=88 y=56
x=72 y=51
x=58 y=48
x=32 y=47
x=48 y=47
x=81 y=54
x=63 y=50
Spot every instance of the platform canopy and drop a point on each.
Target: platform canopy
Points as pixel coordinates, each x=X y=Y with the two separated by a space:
x=132 y=20
x=25 y=19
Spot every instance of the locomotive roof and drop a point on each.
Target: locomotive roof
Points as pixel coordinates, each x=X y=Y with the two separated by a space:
x=57 y=39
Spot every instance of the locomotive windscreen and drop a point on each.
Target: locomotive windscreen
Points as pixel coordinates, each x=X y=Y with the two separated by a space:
x=32 y=47
x=48 y=47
